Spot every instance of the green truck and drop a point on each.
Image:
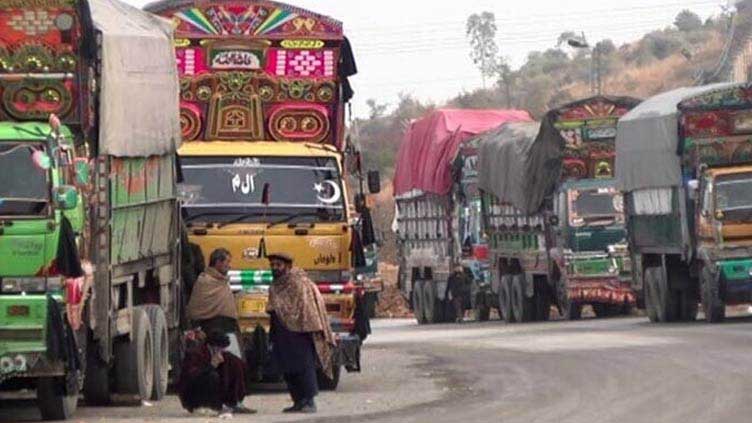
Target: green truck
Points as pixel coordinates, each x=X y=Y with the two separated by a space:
x=553 y=218
x=89 y=224
x=685 y=165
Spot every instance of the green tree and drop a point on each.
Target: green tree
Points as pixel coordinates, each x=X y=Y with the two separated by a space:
x=481 y=31
x=687 y=21
x=375 y=110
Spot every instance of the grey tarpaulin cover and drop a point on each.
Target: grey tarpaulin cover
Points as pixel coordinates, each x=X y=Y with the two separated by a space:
x=647 y=141
x=502 y=162
x=139 y=103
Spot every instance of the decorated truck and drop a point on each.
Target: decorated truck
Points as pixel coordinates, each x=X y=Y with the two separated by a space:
x=553 y=217
x=433 y=202
x=89 y=128
x=264 y=88
x=685 y=164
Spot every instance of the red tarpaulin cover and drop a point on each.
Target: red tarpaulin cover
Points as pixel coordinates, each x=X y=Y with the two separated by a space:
x=431 y=143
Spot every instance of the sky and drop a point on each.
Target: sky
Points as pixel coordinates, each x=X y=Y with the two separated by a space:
x=419 y=47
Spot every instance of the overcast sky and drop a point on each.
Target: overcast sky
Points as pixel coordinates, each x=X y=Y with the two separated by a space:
x=419 y=46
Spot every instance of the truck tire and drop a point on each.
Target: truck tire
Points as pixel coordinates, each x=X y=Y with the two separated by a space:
x=712 y=297
x=97 y=385
x=432 y=306
x=602 y=310
x=52 y=400
x=134 y=359
x=161 y=350
x=649 y=288
x=667 y=304
x=417 y=295
x=505 y=298
x=523 y=307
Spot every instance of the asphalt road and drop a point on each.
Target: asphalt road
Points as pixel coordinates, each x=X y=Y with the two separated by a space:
x=614 y=370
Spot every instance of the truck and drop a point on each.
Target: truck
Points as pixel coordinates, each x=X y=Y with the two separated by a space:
x=263 y=92
x=684 y=163
x=433 y=203
x=90 y=295
x=553 y=217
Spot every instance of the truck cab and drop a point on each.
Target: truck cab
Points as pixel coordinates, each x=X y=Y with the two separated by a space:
x=591 y=237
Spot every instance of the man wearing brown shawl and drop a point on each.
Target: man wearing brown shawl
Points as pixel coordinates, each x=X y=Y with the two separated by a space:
x=212 y=304
x=300 y=333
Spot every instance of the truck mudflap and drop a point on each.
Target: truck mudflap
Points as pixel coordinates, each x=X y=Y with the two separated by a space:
x=348 y=352
x=607 y=291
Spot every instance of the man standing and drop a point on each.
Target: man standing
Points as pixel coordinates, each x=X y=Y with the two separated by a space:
x=458 y=287
x=212 y=304
x=301 y=337
x=211 y=377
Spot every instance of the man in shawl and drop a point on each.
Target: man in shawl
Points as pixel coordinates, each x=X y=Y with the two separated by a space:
x=301 y=337
x=211 y=377
x=212 y=304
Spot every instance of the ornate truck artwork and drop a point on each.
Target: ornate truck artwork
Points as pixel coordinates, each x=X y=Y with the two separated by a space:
x=40 y=39
x=276 y=81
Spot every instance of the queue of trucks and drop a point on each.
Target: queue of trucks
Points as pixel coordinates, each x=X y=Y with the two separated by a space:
x=110 y=155
x=610 y=202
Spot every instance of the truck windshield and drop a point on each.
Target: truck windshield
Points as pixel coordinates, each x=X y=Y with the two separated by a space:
x=24 y=186
x=230 y=189
x=595 y=207
x=733 y=192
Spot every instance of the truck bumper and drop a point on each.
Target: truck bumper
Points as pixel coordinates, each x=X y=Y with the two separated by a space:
x=601 y=290
x=23 y=343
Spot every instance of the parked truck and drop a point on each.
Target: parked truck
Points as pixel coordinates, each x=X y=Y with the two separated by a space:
x=685 y=163
x=264 y=88
x=554 y=220
x=432 y=205
x=89 y=284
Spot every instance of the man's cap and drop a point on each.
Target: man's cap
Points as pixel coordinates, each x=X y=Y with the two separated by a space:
x=218 y=339
x=280 y=256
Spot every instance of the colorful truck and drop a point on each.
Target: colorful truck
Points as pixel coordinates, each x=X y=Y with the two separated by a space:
x=685 y=164
x=553 y=217
x=264 y=88
x=89 y=281
x=433 y=203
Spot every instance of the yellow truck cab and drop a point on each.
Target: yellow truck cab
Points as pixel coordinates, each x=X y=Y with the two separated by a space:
x=264 y=88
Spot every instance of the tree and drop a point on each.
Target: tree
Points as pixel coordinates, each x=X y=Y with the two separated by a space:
x=375 y=110
x=481 y=30
x=687 y=21
x=506 y=79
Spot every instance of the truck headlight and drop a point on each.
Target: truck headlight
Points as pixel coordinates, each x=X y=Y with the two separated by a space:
x=6 y=365
x=19 y=362
x=19 y=285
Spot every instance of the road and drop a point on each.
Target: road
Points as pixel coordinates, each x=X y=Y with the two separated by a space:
x=614 y=370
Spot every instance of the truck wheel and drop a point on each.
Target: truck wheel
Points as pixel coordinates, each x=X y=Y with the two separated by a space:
x=52 y=400
x=417 y=295
x=649 y=289
x=522 y=306
x=667 y=304
x=161 y=350
x=712 y=299
x=482 y=312
x=505 y=298
x=329 y=384
x=432 y=306
x=134 y=359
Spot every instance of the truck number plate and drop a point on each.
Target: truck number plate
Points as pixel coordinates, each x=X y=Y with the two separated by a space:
x=254 y=306
x=18 y=311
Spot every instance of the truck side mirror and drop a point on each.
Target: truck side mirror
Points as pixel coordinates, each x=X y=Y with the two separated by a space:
x=266 y=194
x=65 y=197
x=374 y=181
